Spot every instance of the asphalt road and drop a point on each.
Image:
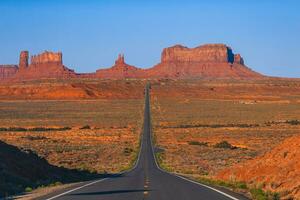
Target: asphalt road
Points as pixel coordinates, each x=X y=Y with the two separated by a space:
x=144 y=181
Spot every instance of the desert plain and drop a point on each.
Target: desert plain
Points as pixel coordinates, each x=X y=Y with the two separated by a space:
x=201 y=127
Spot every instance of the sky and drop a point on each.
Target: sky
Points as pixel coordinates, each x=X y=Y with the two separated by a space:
x=91 y=33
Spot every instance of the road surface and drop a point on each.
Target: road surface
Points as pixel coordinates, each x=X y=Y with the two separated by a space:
x=146 y=181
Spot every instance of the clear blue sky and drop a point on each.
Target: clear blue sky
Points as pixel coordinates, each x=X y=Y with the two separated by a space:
x=91 y=33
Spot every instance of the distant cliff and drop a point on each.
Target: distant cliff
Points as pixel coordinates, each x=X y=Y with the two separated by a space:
x=7 y=71
x=44 y=65
x=120 y=70
x=206 y=61
x=215 y=53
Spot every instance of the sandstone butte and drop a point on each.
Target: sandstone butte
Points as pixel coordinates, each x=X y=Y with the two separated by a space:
x=278 y=170
x=206 y=61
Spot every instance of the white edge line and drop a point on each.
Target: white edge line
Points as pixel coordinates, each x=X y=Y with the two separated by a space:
x=69 y=191
x=174 y=174
x=97 y=181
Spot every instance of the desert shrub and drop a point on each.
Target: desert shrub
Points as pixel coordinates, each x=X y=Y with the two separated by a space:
x=64 y=128
x=247 y=125
x=259 y=194
x=224 y=145
x=34 y=129
x=28 y=189
x=16 y=129
x=40 y=129
x=197 y=143
x=213 y=125
x=30 y=137
x=241 y=185
x=227 y=184
x=49 y=129
x=293 y=122
x=273 y=196
x=158 y=156
x=86 y=127
x=127 y=151
x=55 y=184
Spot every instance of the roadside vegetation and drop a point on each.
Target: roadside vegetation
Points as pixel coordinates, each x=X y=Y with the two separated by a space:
x=254 y=192
x=204 y=131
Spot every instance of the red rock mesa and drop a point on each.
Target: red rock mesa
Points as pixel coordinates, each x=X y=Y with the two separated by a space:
x=206 y=61
x=120 y=70
x=8 y=71
x=44 y=65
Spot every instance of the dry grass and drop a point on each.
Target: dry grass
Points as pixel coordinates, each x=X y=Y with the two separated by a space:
x=97 y=113
x=109 y=145
x=99 y=150
x=193 y=116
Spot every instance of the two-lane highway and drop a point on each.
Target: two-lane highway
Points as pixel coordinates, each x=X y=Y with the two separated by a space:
x=144 y=181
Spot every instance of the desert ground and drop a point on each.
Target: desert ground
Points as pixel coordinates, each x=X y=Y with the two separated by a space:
x=96 y=132
x=204 y=127
x=100 y=135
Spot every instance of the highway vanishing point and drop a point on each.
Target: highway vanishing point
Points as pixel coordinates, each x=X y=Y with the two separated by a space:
x=146 y=181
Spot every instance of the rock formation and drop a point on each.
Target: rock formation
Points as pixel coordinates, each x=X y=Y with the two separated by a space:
x=23 y=63
x=210 y=53
x=45 y=65
x=206 y=61
x=47 y=57
x=8 y=71
x=120 y=70
x=238 y=59
x=277 y=170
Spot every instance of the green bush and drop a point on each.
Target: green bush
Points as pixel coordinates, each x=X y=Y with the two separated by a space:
x=258 y=194
x=34 y=129
x=57 y=183
x=224 y=145
x=39 y=129
x=28 y=189
x=197 y=143
x=227 y=184
x=86 y=127
x=64 y=129
x=127 y=151
x=293 y=122
x=29 y=137
x=16 y=129
x=49 y=129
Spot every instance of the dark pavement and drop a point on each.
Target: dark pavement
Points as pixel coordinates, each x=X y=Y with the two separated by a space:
x=145 y=181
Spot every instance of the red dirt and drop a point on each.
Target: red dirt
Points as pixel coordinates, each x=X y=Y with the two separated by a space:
x=277 y=170
x=79 y=89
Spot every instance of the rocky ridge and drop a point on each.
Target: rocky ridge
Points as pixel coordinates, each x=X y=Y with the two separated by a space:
x=7 y=71
x=277 y=170
x=120 y=70
x=206 y=61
